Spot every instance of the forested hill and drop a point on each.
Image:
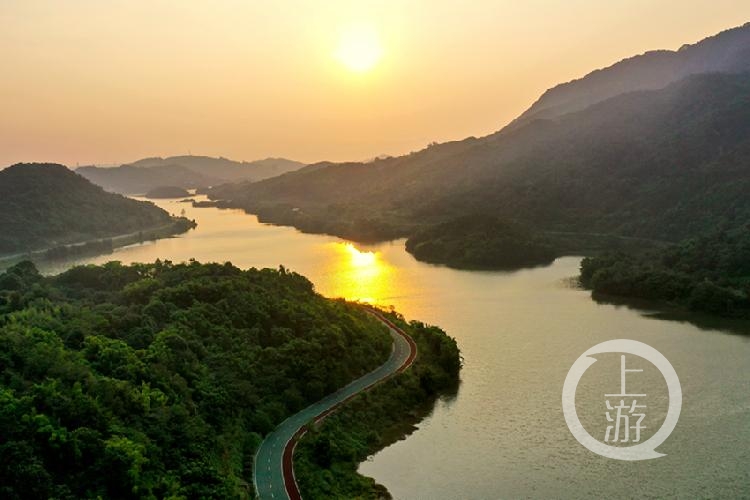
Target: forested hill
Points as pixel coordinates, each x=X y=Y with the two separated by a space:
x=46 y=205
x=726 y=52
x=659 y=164
x=159 y=380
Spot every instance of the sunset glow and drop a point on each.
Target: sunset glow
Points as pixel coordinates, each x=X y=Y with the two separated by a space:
x=407 y=248
x=361 y=276
x=359 y=258
x=359 y=48
x=311 y=81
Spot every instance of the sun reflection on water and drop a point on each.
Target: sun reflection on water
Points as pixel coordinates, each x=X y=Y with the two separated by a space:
x=360 y=275
x=360 y=258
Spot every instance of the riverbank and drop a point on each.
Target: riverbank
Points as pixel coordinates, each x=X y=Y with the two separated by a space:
x=186 y=364
x=519 y=332
x=708 y=274
x=472 y=243
x=327 y=457
x=273 y=466
x=101 y=246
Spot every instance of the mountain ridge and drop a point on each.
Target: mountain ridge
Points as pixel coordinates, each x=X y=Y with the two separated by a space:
x=645 y=164
x=187 y=172
x=650 y=70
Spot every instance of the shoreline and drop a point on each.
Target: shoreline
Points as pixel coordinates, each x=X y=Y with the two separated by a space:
x=565 y=243
x=101 y=246
x=266 y=483
x=376 y=419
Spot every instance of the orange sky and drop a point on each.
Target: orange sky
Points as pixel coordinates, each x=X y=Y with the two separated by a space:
x=90 y=81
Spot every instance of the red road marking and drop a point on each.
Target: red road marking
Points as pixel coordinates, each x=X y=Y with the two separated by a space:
x=290 y=483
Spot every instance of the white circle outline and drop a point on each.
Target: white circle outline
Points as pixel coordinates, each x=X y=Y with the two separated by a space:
x=642 y=451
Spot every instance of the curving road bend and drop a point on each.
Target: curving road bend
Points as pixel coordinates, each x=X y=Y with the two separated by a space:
x=273 y=472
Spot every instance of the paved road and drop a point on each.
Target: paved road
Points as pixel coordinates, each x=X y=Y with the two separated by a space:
x=273 y=474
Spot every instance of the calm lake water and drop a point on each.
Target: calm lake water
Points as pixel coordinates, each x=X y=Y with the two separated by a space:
x=503 y=435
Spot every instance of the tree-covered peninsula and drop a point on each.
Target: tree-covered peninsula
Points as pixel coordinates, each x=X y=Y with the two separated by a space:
x=160 y=380
x=708 y=274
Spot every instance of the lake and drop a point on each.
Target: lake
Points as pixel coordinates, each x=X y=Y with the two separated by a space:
x=503 y=434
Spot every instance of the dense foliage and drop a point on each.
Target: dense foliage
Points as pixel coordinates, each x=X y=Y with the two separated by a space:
x=158 y=380
x=480 y=242
x=44 y=206
x=709 y=274
x=327 y=458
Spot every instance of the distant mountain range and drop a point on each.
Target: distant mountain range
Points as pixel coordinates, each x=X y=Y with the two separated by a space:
x=187 y=172
x=657 y=146
x=46 y=205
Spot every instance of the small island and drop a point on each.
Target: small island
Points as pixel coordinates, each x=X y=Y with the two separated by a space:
x=480 y=242
x=167 y=192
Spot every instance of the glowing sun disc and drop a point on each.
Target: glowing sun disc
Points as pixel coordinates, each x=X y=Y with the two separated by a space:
x=359 y=48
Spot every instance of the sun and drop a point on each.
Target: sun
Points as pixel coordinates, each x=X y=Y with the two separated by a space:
x=359 y=48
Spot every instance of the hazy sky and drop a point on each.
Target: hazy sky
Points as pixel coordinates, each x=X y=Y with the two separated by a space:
x=110 y=81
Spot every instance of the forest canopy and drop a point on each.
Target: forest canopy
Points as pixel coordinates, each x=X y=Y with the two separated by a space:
x=708 y=274
x=159 y=380
x=479 y=241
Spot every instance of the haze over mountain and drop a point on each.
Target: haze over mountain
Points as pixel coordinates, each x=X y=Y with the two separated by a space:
x=45 y=205
x=660 y=163
x=128 y=179
x=727 y=52
x=226 y=169
x=187 y=172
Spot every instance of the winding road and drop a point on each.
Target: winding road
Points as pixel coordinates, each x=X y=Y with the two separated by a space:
x=273 y=470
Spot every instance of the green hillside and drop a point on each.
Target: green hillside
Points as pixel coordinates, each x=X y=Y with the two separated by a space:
x=47 y=205
x=159 y=380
